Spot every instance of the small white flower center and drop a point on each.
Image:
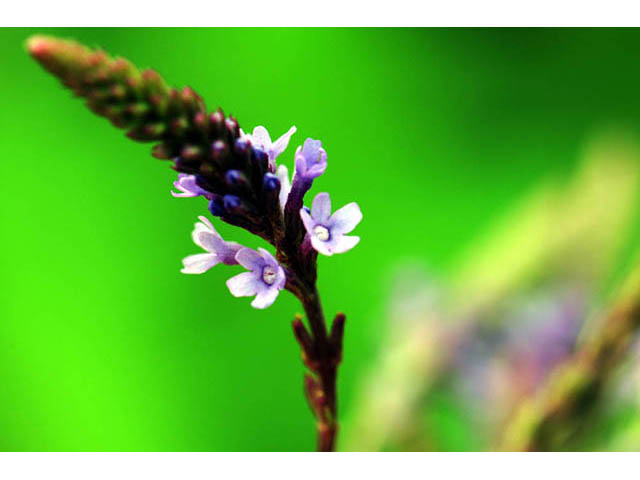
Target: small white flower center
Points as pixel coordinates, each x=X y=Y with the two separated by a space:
x=269 y=275
x=321 y=233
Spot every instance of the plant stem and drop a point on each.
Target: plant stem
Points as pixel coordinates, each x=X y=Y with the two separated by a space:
x=326 y=359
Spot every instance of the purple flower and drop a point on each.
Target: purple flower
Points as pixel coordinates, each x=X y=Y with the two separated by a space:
x=285 y=184
x=327 y=232
x=188 y=187
x=311 y=160
x=260 y=138
x=219 y=251
x=265 y=280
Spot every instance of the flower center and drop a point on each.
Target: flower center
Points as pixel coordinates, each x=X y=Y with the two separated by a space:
x=322 y=233
x=269 y=275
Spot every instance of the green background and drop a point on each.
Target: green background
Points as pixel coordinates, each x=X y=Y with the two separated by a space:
x=105 y=345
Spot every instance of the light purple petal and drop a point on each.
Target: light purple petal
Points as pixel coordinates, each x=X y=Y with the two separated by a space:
x=285 y=184
x=268 y=258
x=320 y=246
x=250 y=259
x=207 y=222
x=187 y=186
x=321 y=208
x=243 y=285
x=307 y=221
x=203 y=235
x=311 y=159
x=261 y=138
x=345 y=219
x=199 y=263
x=281 y=144
x=211 y=242
x=228 y=252
x=281 y=278
x=301 y=165
x=184 y=194
x=265 y=298
x=312 y=151
x=344 y=243
x=316 y=170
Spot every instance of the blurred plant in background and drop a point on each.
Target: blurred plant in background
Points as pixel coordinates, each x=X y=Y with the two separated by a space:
x=517 y=350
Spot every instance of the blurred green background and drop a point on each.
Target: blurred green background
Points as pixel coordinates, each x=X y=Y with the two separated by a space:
x=105 y=345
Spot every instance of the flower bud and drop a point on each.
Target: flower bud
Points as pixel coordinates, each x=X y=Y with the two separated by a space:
x=241 y=146
x=231 y=125
x=271 y=183
x=261 y=159
x=231 y=202
x=216 y=206
x=190 y=152
x=235 y=178
x=216 y=120
x=219 y=150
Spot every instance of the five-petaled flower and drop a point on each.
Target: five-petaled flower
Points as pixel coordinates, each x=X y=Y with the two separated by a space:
x=188 y=187
x=260 y=138
x=310 y=160
x=328 y=232
x=264 y=280
x=218 y=251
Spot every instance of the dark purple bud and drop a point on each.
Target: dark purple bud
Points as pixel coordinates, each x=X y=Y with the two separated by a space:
x=241 y=146
x=262 y=159
x=235 y=178
x=216 y=206
x=271 y=182
x=202 y=182
x=231 y=202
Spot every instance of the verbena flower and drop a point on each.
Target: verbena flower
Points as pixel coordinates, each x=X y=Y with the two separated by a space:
x=260 y=138
x=188 y=187
x=264 y=280
x=218 y=251
x=310 y=160
x=328 y=232
x=238 y=175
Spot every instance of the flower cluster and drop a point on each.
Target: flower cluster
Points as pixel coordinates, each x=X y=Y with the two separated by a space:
x=237 y=174
x=325 y=232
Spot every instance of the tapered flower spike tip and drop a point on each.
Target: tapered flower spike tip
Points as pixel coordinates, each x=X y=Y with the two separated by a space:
x=39 y=45
x=205 y=145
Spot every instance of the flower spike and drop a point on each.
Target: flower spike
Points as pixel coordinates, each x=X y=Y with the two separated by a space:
x=238 y=175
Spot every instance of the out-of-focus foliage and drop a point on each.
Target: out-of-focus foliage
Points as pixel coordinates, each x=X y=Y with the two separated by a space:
x=463 y=359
